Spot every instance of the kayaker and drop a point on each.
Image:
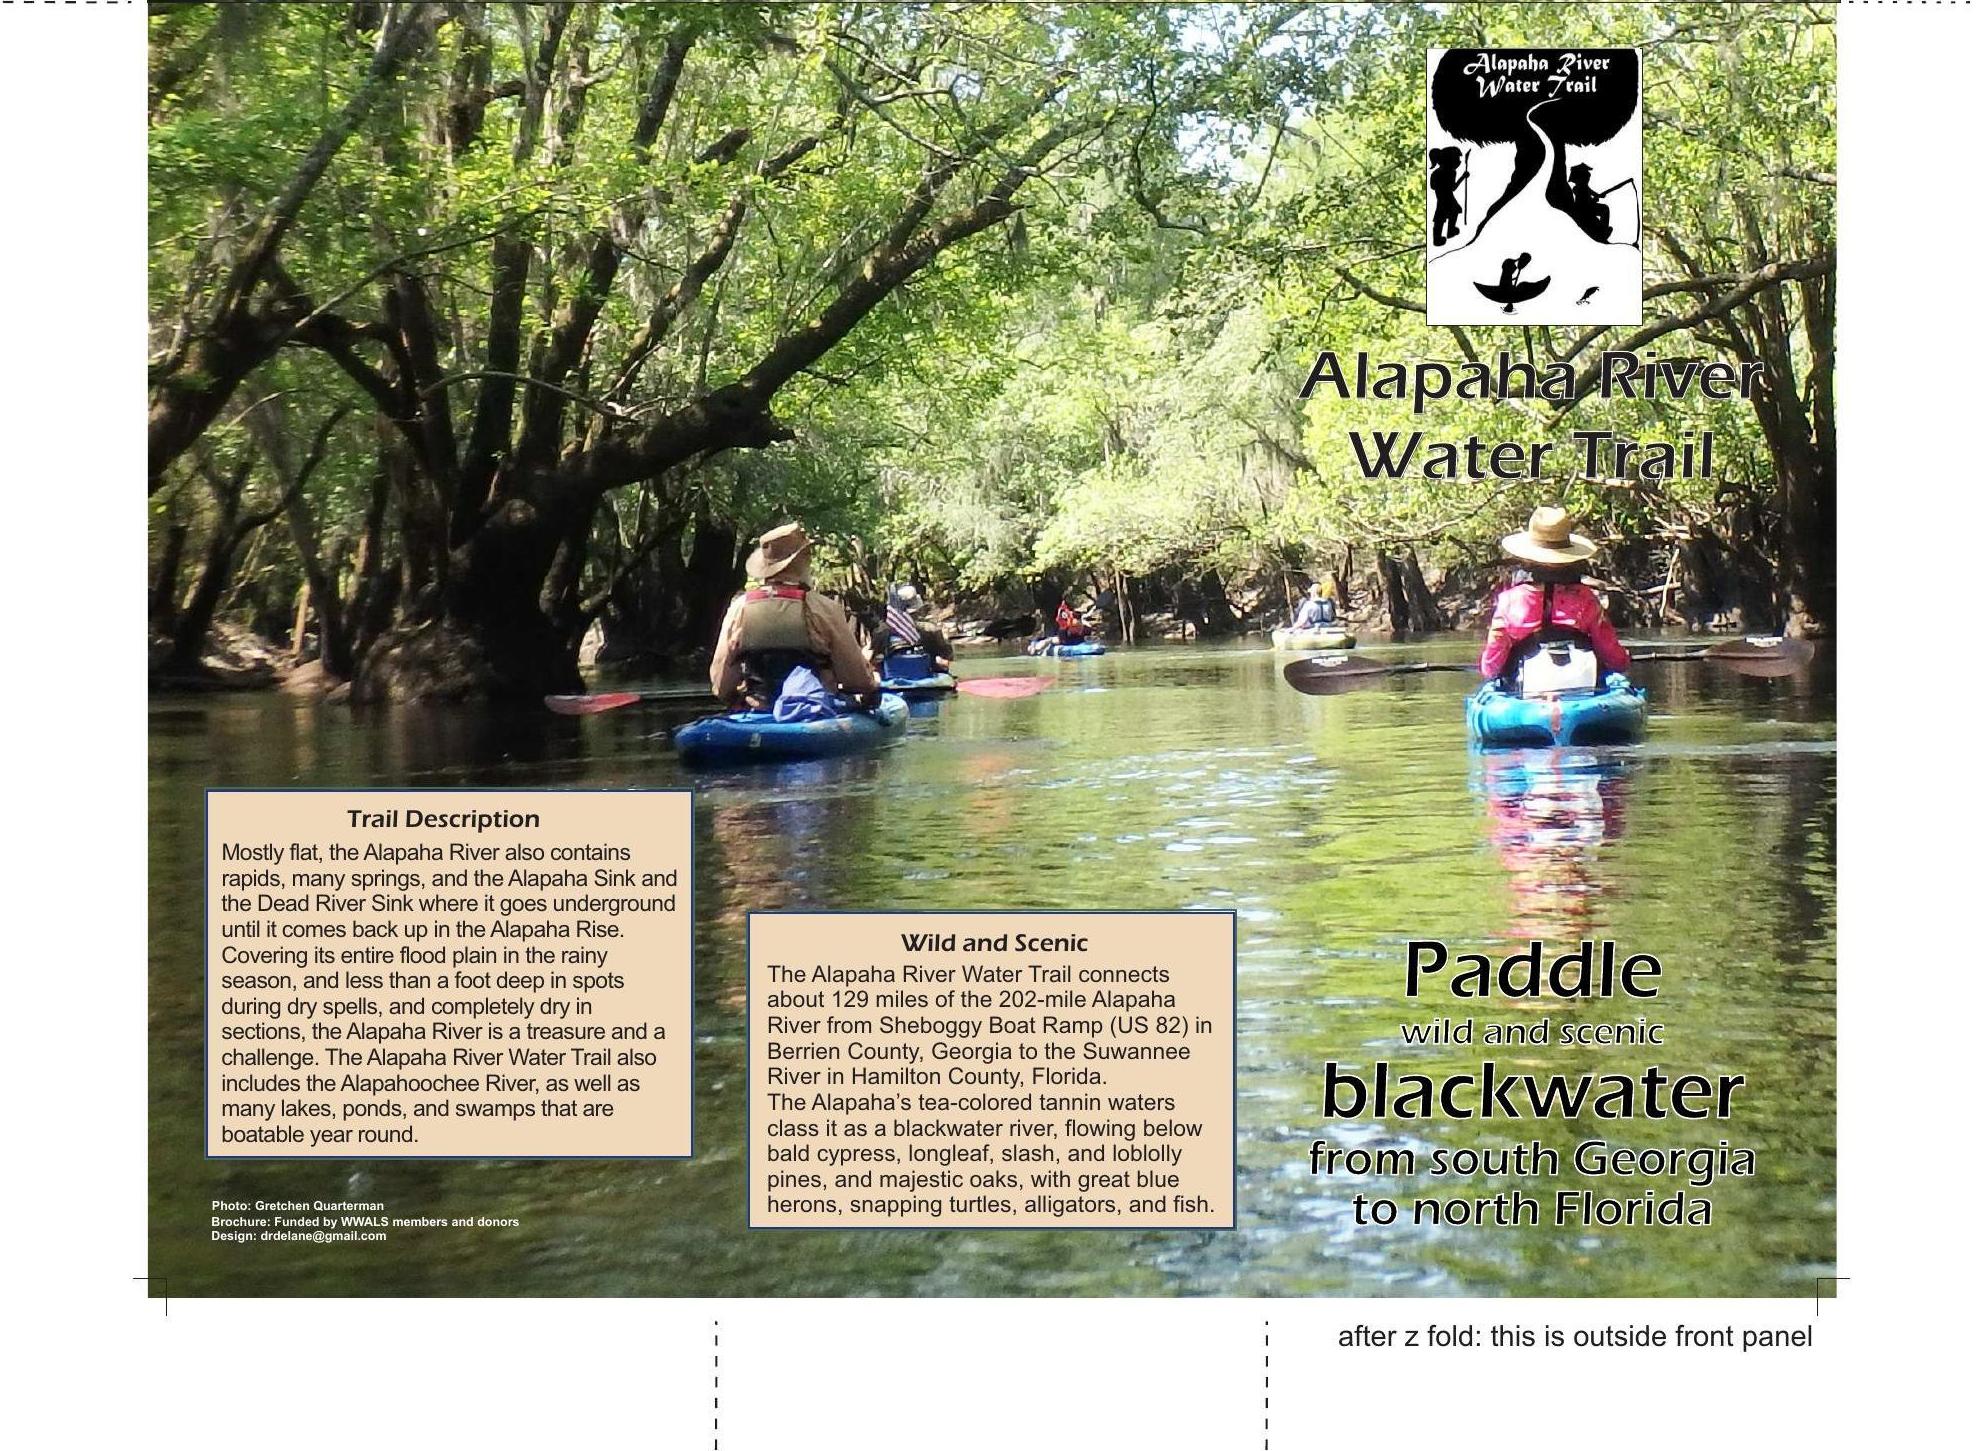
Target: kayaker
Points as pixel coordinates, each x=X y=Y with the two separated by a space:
x=779 y=623
x=1547 y=603
x=1071 y=628
x=902 y=634
x=1318 y=610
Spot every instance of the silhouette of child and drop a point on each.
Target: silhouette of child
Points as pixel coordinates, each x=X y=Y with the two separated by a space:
x=1445 y=178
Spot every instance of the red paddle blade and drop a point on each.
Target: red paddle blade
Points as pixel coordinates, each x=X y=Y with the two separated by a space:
x=1005 y=687
x=590 y=704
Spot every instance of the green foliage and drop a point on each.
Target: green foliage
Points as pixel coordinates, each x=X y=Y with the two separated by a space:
x=1105 y=383
x=1158 y=422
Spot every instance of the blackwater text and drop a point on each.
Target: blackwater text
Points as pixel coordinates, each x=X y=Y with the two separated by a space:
x=1589 y=970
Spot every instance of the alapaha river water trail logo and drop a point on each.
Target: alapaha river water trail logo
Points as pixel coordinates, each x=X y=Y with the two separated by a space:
x=1534 y=187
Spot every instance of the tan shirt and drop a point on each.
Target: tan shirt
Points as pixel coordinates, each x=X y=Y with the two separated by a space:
x=826 y=626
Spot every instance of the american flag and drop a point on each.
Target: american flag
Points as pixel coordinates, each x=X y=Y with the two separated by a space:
x=901 y=625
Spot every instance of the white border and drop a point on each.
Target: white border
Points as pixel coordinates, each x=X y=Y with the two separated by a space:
x=99 y=1359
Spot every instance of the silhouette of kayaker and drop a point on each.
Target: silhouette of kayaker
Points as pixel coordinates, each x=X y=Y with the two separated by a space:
x=1509 y=289
x=1447 y=173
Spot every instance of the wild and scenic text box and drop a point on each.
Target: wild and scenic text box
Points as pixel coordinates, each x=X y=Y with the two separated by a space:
x=1012 y=1070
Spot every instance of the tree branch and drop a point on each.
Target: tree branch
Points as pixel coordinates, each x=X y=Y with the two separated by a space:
x=408 y=30
x=1754 y=283
x=1400 y=304
x=542 y=414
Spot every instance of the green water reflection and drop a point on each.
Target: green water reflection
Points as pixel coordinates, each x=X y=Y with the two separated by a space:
x=1337 y=829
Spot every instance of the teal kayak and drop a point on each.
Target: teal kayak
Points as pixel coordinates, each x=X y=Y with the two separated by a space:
x=747 y=737
x=1613 y=715
x=1068 y=652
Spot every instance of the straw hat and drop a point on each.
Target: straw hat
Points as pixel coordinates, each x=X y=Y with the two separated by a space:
x=784 y=550
x=1549 y=538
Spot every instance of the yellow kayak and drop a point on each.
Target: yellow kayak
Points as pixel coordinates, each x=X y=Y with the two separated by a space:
x=1332 y=638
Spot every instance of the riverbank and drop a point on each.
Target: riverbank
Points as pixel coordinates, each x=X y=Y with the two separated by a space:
x=1401 y=602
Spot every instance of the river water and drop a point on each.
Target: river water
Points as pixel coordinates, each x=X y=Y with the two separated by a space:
x=1337 y=829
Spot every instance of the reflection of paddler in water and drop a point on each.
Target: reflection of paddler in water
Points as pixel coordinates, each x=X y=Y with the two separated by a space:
x=1444 y=182
x=1509 y=289
x=769 y=847
x=994 y=816
x=797 y=843
x=1549 y=819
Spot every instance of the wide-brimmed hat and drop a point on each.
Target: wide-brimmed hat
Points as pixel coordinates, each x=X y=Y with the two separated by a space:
x=907 y=594
x=783 y=550
x=1549 y=538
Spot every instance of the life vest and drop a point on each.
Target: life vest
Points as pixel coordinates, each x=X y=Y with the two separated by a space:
x=773 y=639
x=1555 y=658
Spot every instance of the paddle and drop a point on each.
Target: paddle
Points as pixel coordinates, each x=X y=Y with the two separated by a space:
x=1765 y=656
x=612 y=700
x=1005 y=687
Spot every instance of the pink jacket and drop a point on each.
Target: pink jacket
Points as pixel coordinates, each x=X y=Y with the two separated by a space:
x=1517 y=616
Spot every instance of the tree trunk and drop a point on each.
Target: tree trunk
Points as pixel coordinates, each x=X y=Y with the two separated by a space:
x=1214 y=612
x=1424 y=612
x=712 y=575
x=1413 y=608
x=319 y=586
x=196 y=615
x=299 y=627
x=164 y=604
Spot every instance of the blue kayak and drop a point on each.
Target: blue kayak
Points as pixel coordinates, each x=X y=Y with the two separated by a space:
x=1611 y=716
x=912 y=675
x=747 y=737
x=1069 y=652
x=924 y=687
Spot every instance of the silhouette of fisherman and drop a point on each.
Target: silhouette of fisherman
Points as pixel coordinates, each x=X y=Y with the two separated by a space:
x=1510 y=269
x=1445 y=178
x=1585 y=204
